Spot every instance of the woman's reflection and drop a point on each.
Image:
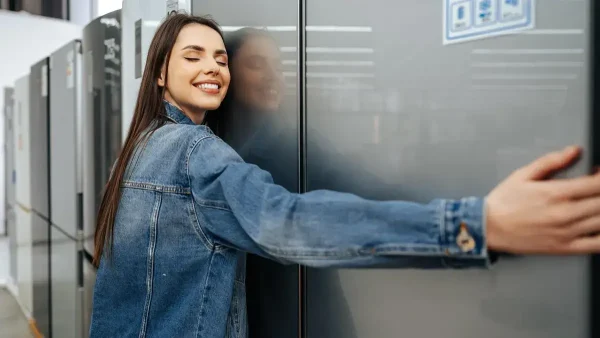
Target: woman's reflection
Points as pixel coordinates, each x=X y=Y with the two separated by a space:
x=256 y=121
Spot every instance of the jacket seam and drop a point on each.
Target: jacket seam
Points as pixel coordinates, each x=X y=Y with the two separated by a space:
x=199 y=327
x=150 y=262
x=156 y=187
x=202 y=236
x=187 y=172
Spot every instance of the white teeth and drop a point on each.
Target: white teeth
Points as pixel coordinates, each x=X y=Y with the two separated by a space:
x=208 y=86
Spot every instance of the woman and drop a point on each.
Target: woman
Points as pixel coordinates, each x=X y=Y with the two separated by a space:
x=181 y=206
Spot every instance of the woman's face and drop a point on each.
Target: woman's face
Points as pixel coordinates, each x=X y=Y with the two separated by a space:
x=258 y=79
x=198 y=73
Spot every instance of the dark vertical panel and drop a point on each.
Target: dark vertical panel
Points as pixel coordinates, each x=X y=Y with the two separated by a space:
x=39 y=89
x=301 y=76
x=259 y=119
x=595 y=142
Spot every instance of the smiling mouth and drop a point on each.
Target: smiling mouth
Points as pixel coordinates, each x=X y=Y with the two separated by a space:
x=210 y=88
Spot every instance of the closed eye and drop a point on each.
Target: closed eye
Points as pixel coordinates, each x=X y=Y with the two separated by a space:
x=192 y=59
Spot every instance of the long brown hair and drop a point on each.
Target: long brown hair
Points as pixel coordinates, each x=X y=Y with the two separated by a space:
x=148 y=116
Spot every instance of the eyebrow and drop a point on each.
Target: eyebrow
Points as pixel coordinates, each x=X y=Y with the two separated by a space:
x=201 y=49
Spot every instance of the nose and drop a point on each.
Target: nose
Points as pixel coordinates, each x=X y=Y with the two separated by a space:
x=212 y=67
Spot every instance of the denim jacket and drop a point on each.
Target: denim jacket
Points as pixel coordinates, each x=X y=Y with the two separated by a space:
x=191 y=208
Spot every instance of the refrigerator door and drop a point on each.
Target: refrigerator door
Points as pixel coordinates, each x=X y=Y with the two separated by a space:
x=40 y=105
x=22 y=144
x=9 y=179
x=264 y=133
x=23 y=212
x=89 y=280
x=40 y=253
x=101 y=130
x=102 y=111
x=65 y=183
x=393 y=113
x=64 y=121
x=39 y=91
x=9 y=187
x=66 y=300
x=139 y=22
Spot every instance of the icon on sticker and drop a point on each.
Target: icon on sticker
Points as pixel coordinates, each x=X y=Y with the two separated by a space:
x=461 y=12
x=485 y=10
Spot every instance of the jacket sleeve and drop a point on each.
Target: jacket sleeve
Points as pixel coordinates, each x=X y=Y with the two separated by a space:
x=239 y=206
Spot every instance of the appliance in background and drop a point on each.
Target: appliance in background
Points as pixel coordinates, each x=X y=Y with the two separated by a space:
x=139 y=22
x=9 y=181
x=66 y=193
x=23 y=214
x=39 y=108
x=101 y=128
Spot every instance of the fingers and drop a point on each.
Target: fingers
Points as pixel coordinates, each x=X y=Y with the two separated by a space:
x=549 y=163
x=580 y=210
x=580 y=187
x=584 y=245
x=585 y=227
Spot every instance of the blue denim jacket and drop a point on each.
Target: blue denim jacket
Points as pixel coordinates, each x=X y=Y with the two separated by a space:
x=191 y=208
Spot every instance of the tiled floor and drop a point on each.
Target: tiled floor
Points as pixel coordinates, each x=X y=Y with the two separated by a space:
x=13 y=323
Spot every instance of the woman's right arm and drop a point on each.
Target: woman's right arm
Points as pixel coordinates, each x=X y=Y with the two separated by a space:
x=241 y=207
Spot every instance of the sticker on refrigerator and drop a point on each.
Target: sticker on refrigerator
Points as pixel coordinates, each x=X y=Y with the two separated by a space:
x=467 y=20
x=44 y=80
x=69 y=70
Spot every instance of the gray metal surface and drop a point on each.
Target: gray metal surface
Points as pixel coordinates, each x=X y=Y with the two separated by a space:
x=39 y=104
x=102 y=111
x=271 y=289
x=89 y=280
x=40 y=268
x=9 y=179
x=400 y=116
x=64 y=120
x=40 y=226
x=67 y=317
x=9 y=147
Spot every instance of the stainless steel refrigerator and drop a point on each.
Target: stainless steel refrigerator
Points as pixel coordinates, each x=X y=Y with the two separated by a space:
x=66 y=193
x=101 y=129
x=9 y=181
x=23 y=214
x=39 y=91
x=417 y=100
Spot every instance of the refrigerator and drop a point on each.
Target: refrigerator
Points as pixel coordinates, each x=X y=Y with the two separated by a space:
x=39 y=108
x=65 y=140
x=9 y=180
x=139 y=22
x=23 y=214
x=101 y=129
x=417 y=100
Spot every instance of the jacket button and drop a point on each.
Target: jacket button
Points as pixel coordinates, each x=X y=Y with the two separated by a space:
x=464 y=240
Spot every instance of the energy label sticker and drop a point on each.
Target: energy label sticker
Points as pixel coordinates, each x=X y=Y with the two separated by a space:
x=467 y=20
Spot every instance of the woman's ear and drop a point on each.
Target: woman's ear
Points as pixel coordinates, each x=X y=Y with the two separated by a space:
x=161 y=78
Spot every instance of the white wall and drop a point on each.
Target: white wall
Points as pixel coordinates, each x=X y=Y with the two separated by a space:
x=25 y=40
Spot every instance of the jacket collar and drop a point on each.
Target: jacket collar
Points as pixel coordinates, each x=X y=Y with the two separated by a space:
x=175 y=114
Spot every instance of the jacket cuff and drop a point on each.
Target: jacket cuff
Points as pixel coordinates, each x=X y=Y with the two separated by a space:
x=463 y=234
